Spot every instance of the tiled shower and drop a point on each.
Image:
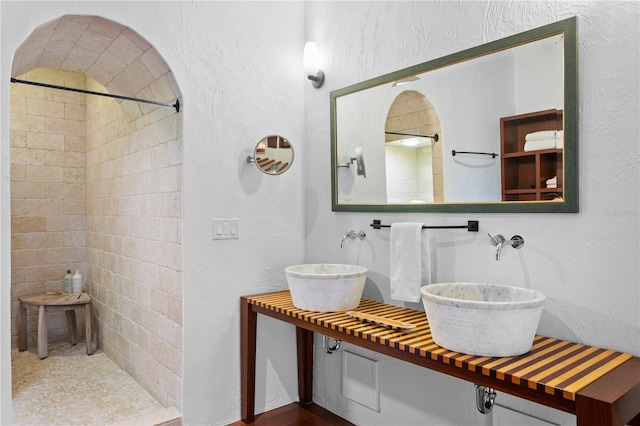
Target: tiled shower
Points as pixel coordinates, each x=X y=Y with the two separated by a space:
x=96 y=186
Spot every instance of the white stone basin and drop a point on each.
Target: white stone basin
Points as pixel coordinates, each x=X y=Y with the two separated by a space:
x=482 y=319
x=326 y=287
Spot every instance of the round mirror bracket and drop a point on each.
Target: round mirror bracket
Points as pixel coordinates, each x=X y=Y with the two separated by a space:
x=348 y=163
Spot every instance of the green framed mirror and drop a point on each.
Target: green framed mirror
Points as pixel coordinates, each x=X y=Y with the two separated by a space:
x=492 y=129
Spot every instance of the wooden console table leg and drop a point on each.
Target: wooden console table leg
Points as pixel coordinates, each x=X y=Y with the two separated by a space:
x=612 y=400
x=248 y=325
x=304 y=341
x=22 y=327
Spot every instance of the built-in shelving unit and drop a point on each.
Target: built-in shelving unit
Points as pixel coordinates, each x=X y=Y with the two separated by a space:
x=524 y=173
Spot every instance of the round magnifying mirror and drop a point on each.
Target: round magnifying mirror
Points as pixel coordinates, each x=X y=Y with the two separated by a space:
x=273 y=155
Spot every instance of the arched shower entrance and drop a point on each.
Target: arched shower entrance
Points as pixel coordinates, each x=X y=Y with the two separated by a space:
x=414 y=165
x=96 y=185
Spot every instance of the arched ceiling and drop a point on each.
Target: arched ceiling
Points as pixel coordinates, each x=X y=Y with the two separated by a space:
x=111 y=54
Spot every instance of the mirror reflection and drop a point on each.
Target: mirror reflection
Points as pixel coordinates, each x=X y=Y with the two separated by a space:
x=484 y=128
x=413 y=158
x=273 y=155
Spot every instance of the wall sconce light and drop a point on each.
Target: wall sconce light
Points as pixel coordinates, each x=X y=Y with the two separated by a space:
x=310 y=62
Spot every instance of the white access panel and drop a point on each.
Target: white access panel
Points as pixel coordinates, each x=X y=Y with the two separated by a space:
x=503 y=416
x=361 y=380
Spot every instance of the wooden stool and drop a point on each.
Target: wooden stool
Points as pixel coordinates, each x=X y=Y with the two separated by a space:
x=52 y=303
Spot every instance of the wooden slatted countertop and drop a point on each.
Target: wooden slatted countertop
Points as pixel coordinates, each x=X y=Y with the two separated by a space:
x=556 y=367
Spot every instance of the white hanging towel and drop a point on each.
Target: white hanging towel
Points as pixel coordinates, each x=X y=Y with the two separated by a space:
x=410 y=266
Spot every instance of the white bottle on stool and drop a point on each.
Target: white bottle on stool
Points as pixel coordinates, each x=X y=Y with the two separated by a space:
x=77 y=282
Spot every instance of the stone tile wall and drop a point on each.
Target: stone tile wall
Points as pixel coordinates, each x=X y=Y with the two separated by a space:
x=47 y=192
x=97 y=185
x=134 y=234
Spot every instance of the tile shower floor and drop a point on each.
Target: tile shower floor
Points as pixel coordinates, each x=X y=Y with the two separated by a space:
x=71 y=388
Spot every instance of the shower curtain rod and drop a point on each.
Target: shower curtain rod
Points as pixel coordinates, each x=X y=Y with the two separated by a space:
x=89 y=92
x=434 y=137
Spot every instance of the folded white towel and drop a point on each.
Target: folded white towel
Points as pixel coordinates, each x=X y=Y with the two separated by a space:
x=536 y=145
x=541 y=135
x=559 y=139
x=410 y=265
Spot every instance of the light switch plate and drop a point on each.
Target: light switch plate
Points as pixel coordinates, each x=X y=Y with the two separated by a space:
x=225 y=228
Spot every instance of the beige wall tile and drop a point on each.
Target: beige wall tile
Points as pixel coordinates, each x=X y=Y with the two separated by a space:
x=54 y=158
x=28 y=123
x=37 y=240
x=45 y=108
x=74 y=143
x=125 y=50
x=65 y=96
x=74 y=160
x=45 y=141
x=45 y=174
x=65 y=223
x=28 y=257
x=135 y=78
x=27 y=288
x=65 y=190
x=65 y=255
x=106 y=28
x=74 y=112
x=98 y=73
x=18 y=173
x=33 y=157
x=28 y=224
x=27 y=91
x=36 y=207
x=18 y=105
x=18 y=138
x=154 y=63
x=74 y=207
x=111 y=64
x=136 y=38
x=73 y=175
x=62 y=126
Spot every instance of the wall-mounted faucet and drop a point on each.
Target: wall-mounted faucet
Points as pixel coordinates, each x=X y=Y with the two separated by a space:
x=499 y=241
x=352 y=234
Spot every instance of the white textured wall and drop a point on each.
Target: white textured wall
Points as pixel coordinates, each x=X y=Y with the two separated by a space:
x=239 y=67
x=586 y=263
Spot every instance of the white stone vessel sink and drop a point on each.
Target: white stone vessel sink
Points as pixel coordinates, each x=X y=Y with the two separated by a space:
x=482 y=319
x=326 y=287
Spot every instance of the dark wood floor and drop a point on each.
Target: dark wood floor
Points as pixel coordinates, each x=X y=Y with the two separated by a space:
x=297 y=415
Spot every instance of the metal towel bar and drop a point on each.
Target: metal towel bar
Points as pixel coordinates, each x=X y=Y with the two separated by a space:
x=471 y=226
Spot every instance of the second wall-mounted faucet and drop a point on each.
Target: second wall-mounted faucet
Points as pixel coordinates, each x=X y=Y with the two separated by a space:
x=352 y=234
x=499 y=241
